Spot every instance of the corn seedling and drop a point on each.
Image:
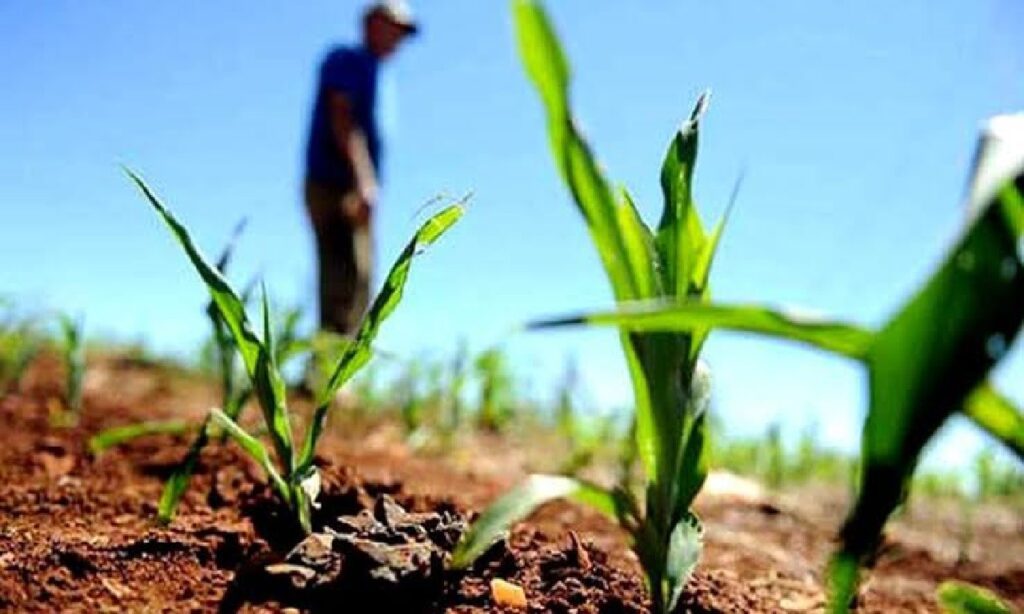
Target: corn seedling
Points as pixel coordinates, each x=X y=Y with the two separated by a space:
x=73 y=351
x=930 y=360
x=671 y=385
x=19 y=344
x=496 y=390
x=565 y=410
x=293 y=477
x=412 y=402
x=454 y=404
x=583 y=437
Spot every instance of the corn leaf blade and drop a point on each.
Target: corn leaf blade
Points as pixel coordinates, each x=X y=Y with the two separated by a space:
x=231 y=307
x=919 y=376
x=548 y=69
x=267 y=382
x=518 y=503
x=177 y=483
x=256 y=450
x=962 y=598
x=681 y=237
x=358 y=353
x=996 y=414
x=118 y=435
x=668 y=316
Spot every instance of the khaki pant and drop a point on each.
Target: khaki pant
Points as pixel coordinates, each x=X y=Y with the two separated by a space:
x=344 y=258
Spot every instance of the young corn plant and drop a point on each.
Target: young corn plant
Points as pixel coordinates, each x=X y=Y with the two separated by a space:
x=19 y=344
x=927 y=362
x=290 y=469
x=73 y=351
x=670 y=384
x=496 y=390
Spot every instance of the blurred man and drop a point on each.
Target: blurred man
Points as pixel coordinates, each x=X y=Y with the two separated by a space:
x=343 y=163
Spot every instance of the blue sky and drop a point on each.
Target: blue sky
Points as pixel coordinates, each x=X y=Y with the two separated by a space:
x=855 y=123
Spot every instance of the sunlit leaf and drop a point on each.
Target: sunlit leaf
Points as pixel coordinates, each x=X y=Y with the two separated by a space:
x=962 y=598
x=663 y=316
x=266 y=380
x=256 y=450
x=547 y=67
x=934 y=352
x=681 y=237
x=118 y=435
x=996 y=414
x=518 y=503
x=358 y=353
x=177 y=484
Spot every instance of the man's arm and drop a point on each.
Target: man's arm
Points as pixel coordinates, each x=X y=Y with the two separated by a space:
x=353 y=147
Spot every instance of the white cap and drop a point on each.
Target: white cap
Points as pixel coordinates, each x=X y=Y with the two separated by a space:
x=397 y=11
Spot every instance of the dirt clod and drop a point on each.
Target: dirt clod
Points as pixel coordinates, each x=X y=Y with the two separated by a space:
x=386 y=557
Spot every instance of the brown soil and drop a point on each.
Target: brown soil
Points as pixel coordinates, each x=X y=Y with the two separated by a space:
x=77 y=533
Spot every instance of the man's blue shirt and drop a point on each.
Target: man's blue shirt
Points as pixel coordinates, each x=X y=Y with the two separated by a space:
x=351 y=71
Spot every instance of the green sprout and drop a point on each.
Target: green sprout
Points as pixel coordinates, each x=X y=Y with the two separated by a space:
x=118 y=435
x=73 y=351
x=930 y=360
x=452 y=418
x=496 y=390
x=19 y=344
x=583 y=435
x=291 y=471
x=671 y=385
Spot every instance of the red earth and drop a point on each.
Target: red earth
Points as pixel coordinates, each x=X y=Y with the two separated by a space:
x=77 y=532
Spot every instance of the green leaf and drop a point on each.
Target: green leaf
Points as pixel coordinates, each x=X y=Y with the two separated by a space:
x=666 y=316
x=231 y=307
x=962 y=598
x=685 y=544
x=996 y=414
x=681 y=238
x=267 y=382
x=177 y=484
x=518 y=503
x=693 y=466
x=700 y=276
x=638 y=244
x=936 y=350
x=74 y=359
x=358 y=353
x=256 y=450
x=117 y=435
x=930 y=356
x=547 y=67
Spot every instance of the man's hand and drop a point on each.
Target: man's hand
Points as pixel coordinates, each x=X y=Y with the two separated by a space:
x=357 y=206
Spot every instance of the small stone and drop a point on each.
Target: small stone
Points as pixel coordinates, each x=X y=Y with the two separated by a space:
x=800 y=603
x=298 y=575
x=508 y=594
